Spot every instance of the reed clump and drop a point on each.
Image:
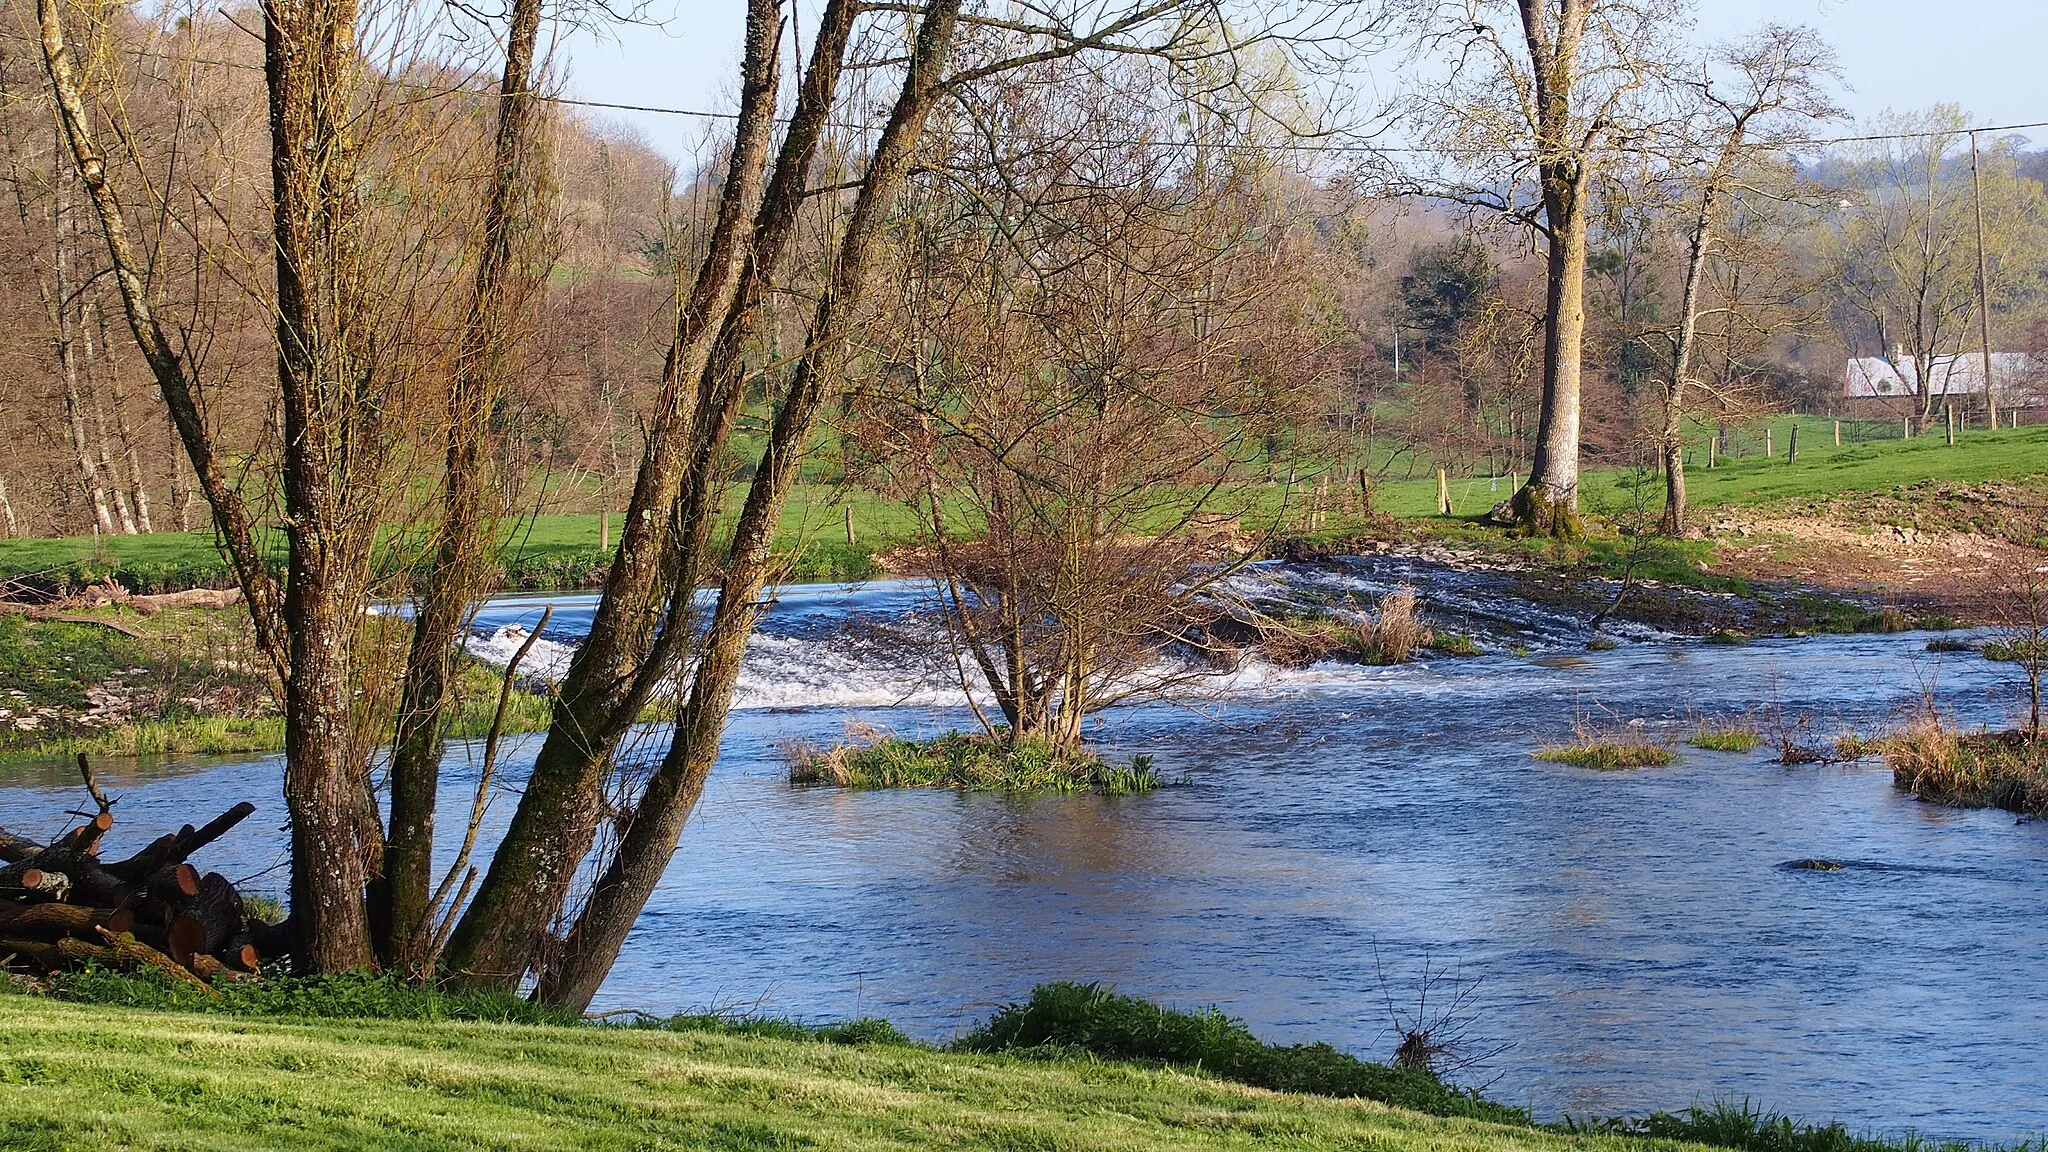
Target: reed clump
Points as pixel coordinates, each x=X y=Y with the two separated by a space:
x=1393 y=633
x=980 y=761
x=1939 y=763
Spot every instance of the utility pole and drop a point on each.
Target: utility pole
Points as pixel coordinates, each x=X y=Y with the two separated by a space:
x=1983 y=288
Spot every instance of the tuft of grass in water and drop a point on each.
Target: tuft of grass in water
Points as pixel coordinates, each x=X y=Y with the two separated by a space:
x=974 y=761
x=1725 y=737
x=1608 y=751
x=2011 y=651
x=1454 y=644
x=1391 y=634
x=1949 y=644
x=1936 y=762
x=1069 y=1017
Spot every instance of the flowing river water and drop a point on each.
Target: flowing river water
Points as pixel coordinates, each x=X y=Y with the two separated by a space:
x=1635 y=936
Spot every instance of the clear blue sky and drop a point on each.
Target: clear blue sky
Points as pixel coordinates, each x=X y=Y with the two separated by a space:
x=1990 y=56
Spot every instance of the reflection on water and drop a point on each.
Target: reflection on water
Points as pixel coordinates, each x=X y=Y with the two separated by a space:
x=1633 y=934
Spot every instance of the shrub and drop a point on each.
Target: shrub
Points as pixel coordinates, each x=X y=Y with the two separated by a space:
x=871 y=758
x=1730 y=1125
x=857 y=1032
x=1068 y=1017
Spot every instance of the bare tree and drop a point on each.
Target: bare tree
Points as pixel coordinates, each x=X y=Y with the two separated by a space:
x=1528 y=118
x=1752 y=98
x=2022 y=632
x=1087 y=350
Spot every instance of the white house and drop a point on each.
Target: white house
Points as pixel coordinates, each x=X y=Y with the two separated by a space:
x=1958 y=375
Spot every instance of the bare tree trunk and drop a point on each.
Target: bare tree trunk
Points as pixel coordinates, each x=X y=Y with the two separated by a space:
x=104 y=461
x=66 y=347
x=672 y=792
x=1548 y=504
x=499 y=305
x=608 y=679
x=1673 y=523
x=180 y=392
x=7 y=510
x=136 y=488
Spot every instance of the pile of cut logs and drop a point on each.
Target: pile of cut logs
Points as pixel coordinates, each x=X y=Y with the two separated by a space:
x=63 y=907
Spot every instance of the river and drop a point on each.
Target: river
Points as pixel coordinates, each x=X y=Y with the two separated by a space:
x=1634 y=936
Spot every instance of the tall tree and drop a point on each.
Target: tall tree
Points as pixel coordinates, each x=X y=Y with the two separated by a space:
x=1528 y=118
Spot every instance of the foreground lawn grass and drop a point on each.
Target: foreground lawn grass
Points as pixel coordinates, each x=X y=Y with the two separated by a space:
x=78 y=1076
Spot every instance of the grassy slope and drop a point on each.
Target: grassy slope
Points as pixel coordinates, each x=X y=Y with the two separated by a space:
x=74 y=1076
x=192 y=680
x=814 y=528
x=1754 y=479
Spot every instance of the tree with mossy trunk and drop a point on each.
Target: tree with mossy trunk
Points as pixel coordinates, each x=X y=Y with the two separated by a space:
x=1537 y=97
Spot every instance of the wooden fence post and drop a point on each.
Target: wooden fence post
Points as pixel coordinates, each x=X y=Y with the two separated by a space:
x=1792 y=446
x=1949 y=411
x=1838 y=433
x=850 y=538
x=1443 y=492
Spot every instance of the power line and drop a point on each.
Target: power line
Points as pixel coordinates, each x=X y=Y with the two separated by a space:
x=1298 y=146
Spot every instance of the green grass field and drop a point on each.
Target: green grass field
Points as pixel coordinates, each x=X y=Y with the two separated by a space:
x=85 y=1077
x=1822 y=469
x=557 y=551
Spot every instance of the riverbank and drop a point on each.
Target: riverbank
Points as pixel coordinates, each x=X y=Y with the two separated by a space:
x=80 y=1075
x=112 y=682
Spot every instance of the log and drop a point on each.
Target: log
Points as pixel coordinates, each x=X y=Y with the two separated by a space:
x=217 y=909
x=137 y=868
x=176 y=847
x=34 y=884
x=184 y=938
x=51 y=921
x=114 y=950
x=192 y=840
x=241 y=955
x=14 y=849
x=127 y=951
x=173 y=883
x=209 y=969
x=272 y=939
